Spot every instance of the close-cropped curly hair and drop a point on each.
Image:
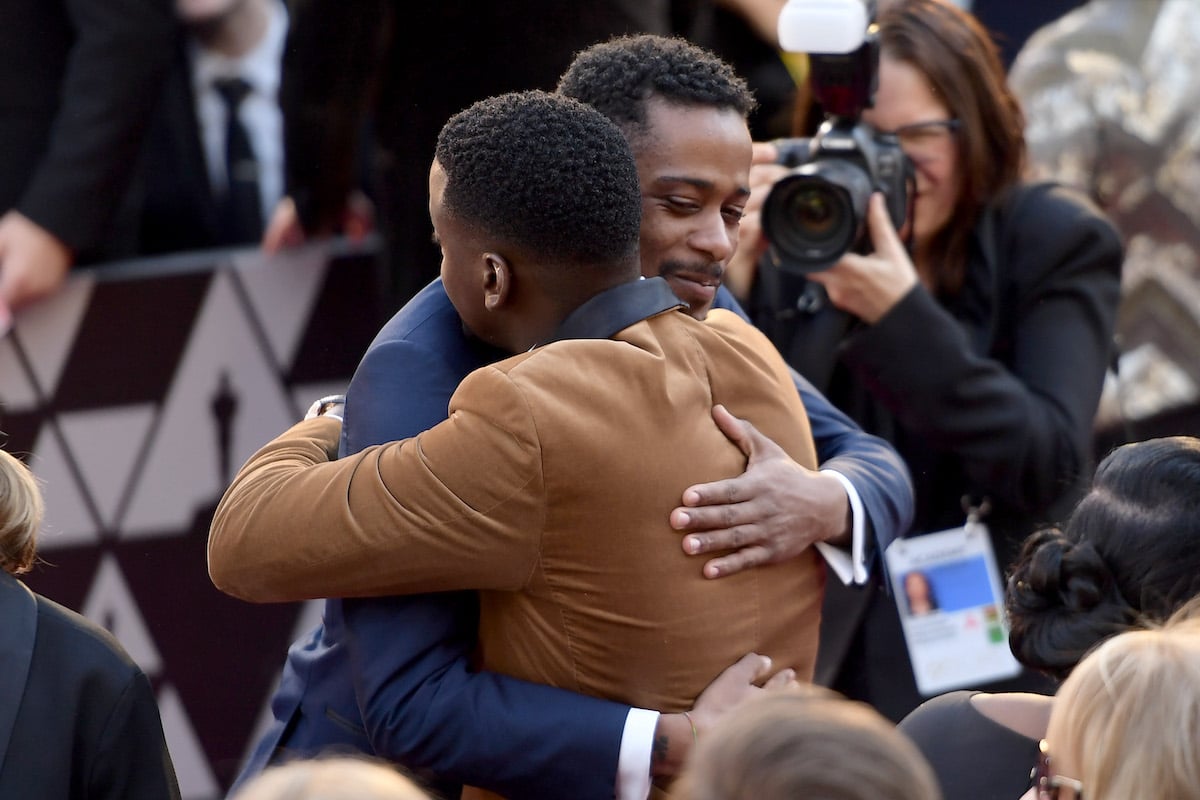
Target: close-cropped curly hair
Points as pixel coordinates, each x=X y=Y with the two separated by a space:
x=618 y=76
x=1128 y=555
x=544 y=173
x=21 y=509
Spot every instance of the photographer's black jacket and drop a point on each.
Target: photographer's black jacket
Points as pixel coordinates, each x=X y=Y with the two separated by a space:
x=990 y=393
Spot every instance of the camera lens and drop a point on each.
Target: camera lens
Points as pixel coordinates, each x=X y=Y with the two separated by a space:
x=815 y=214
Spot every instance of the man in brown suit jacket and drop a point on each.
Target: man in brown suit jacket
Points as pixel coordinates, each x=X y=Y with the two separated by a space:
x=549 y=487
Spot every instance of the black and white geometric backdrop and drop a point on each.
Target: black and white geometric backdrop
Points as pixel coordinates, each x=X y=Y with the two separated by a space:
x=134 y=394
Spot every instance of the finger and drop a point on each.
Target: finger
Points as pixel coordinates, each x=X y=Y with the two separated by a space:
x=754 y=202
x=273 y=237
x=283 y=229
x=716 y=493
x=5 y=277
x=740 y=433
x=359 y=218
x=751 y=442
x=783 y=679
x=22 y=282
x=355 y=228
x=884 y=237
x=764 y=153
x=841 y=274
x=751 y=246
x=821 y=277
x=833 y=272
x=748 y=438
x=734 y=563
x=742 y=268
x=721 y=514
x=753 y=667
x=732 y=427
x=714 y=538
x=762 y=178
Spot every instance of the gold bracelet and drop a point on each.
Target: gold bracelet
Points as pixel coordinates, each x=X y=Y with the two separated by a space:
x=695 y=735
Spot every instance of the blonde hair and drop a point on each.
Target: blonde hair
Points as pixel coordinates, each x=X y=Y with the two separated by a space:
x=1130 y=714
x=21 y=510
x=339 y=778
x=784 y=745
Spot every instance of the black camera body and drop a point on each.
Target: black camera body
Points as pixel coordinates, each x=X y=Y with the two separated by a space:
x=817 y=212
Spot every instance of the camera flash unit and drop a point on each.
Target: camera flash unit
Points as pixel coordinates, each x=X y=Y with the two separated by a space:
x=823 y=26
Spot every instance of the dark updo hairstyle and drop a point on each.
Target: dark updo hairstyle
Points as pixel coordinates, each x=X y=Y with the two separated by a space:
x=1128 y=555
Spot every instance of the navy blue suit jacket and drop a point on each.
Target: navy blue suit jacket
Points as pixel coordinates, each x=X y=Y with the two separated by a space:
x=392 y=676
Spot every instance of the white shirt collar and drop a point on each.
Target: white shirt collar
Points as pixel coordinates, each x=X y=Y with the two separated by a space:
x=260 y=67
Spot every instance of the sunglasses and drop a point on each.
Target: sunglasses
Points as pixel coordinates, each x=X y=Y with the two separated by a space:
x=1047 y=784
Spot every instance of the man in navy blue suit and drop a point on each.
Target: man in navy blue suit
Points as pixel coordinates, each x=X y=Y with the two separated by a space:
x=393 y=676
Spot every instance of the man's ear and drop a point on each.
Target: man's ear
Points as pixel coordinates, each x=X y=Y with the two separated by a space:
x=498 y=281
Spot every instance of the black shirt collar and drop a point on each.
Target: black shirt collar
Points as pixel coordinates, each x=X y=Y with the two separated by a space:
x=615 y=309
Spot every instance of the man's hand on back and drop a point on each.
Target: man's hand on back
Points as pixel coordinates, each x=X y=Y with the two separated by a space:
x=771 y=512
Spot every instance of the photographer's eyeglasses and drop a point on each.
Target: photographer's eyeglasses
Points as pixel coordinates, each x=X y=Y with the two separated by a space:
x=1048 y=785
x=923 y=139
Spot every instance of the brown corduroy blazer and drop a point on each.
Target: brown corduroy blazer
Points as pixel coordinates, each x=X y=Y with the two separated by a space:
x=548 y=489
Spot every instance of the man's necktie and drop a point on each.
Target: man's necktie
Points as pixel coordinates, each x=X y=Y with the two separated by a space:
x=241 y=208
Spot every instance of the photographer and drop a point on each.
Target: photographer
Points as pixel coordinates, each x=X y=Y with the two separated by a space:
x=976 y=339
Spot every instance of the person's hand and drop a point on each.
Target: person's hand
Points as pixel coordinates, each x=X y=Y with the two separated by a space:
x=750 y=676
x=33 y=261
x=677 y=733
x=359 y=217
x=742 y=267
x=870 y=286
x=771 y=512
x=284 y=229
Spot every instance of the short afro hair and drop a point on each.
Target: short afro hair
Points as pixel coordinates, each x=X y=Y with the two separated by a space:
x=546 y=174
x=619 y=76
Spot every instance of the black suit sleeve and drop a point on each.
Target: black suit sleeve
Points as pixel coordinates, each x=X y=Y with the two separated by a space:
x=132 y=762
x=334 y=51
x=114 y=72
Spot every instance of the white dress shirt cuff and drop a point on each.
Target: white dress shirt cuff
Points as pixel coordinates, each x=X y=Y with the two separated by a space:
x=633 y=764
x=850 y=567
